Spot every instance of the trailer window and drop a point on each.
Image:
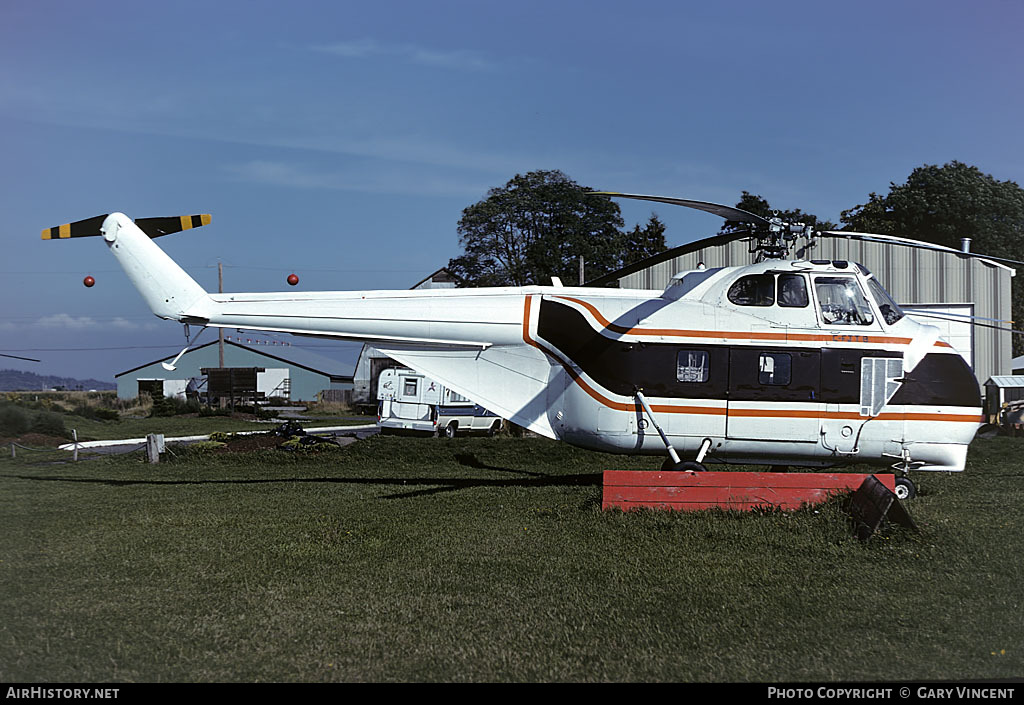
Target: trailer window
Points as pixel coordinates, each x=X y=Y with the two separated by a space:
x=692 y=366
x=409 y=387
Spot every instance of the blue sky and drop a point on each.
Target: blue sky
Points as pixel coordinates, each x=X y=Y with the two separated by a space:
x=341 y=140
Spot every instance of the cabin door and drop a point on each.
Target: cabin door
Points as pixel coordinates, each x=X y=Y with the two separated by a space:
x=774 y=394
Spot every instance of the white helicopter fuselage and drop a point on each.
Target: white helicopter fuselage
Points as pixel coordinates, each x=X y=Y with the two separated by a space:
x=779 y=362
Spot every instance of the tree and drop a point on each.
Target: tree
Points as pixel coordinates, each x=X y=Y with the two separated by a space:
x=759 y=206
x=534 y=227
x=942 y=204
x=641 y=243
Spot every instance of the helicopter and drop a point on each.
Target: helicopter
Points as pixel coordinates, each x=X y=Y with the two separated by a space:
x=784 y=362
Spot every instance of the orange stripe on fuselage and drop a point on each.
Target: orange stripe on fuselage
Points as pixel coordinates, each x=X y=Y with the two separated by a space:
x=723 y=411
x=741 y=335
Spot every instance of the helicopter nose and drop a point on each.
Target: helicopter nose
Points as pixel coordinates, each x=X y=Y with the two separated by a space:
x=940 y=379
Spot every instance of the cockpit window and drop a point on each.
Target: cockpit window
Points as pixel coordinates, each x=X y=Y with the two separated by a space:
x=793 y=291
x=753 y=290
x=841 y=302
x=889 y=309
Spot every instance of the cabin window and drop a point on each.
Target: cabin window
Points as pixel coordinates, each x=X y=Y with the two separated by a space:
x=409 y=388
x=753 y=290
x=793 y=291
x=889 y=309
x=692 y=366
x=841 y=302
x=775 y=369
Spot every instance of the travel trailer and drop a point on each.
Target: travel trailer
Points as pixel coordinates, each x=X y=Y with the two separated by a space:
x=410 y=401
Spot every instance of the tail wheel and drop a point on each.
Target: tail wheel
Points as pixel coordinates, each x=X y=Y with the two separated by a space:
x=905 y=489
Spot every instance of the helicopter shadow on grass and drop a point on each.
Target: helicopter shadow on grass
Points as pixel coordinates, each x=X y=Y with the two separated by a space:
x=427 y=485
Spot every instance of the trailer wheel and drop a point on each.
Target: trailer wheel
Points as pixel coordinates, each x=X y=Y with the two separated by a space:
x=451 y=429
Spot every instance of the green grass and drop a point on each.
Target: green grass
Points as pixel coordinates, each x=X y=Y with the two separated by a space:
x=404 y=559
x=170 y=426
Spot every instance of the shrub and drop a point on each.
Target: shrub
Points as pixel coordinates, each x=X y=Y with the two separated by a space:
x=95 y=412
x=13 y=421
x=170 y=406
x=204 y=446
x=48 y=423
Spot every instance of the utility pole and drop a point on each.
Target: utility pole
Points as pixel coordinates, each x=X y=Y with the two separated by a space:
x=220 y=331
x=582 y=278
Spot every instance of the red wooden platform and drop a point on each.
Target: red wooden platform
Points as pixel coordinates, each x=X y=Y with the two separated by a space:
x=690 y=491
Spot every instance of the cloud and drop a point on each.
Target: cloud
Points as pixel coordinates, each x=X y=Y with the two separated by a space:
x=402 y=179
x=454 y=59
x=65 y=321
x=124 y=324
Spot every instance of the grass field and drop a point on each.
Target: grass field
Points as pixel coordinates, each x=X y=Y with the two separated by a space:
x=403 y=559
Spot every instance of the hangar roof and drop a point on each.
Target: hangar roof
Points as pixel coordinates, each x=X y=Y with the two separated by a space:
x=725 y=238
x=292 y=356
x=1005 y=381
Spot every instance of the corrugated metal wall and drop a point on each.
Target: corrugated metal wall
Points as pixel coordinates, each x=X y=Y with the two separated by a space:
x=912 y=275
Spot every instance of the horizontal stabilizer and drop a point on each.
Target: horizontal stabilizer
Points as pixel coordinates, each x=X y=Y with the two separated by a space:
x=154 y=227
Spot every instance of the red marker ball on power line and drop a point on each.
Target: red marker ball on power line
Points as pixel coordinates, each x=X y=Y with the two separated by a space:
x=89 y=281
x=293 y=279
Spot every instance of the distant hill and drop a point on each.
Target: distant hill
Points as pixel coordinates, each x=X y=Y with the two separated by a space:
x=16 y=381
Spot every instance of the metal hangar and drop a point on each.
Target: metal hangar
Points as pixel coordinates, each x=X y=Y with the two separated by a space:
x=288 y=372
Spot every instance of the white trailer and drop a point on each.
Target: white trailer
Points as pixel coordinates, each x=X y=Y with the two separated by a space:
x=410 y=401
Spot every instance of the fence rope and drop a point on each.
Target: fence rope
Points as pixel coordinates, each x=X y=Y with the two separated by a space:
x=80 y=449
x=40 y=450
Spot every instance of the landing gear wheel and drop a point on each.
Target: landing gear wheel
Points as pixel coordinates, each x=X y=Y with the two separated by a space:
x=905 y=489
x=450 y=430
x=684 y=465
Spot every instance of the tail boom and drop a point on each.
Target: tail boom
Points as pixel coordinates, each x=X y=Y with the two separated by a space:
x=168 y=290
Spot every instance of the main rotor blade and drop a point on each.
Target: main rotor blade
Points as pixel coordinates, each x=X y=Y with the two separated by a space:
x=736 y=215
x=19 y=357
x=892 y=239
x=969 y=320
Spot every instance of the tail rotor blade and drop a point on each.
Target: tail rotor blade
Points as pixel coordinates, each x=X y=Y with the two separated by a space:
x=82 y=228
x=154 y=227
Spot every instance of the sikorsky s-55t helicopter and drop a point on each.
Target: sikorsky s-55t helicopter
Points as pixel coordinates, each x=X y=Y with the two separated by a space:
x=780 y=362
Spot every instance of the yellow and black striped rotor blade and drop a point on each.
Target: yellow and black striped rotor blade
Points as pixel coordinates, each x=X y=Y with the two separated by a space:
x=81 y=228
x=154 y=227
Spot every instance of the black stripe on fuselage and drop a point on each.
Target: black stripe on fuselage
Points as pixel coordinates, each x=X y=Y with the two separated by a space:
x=827 y=375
